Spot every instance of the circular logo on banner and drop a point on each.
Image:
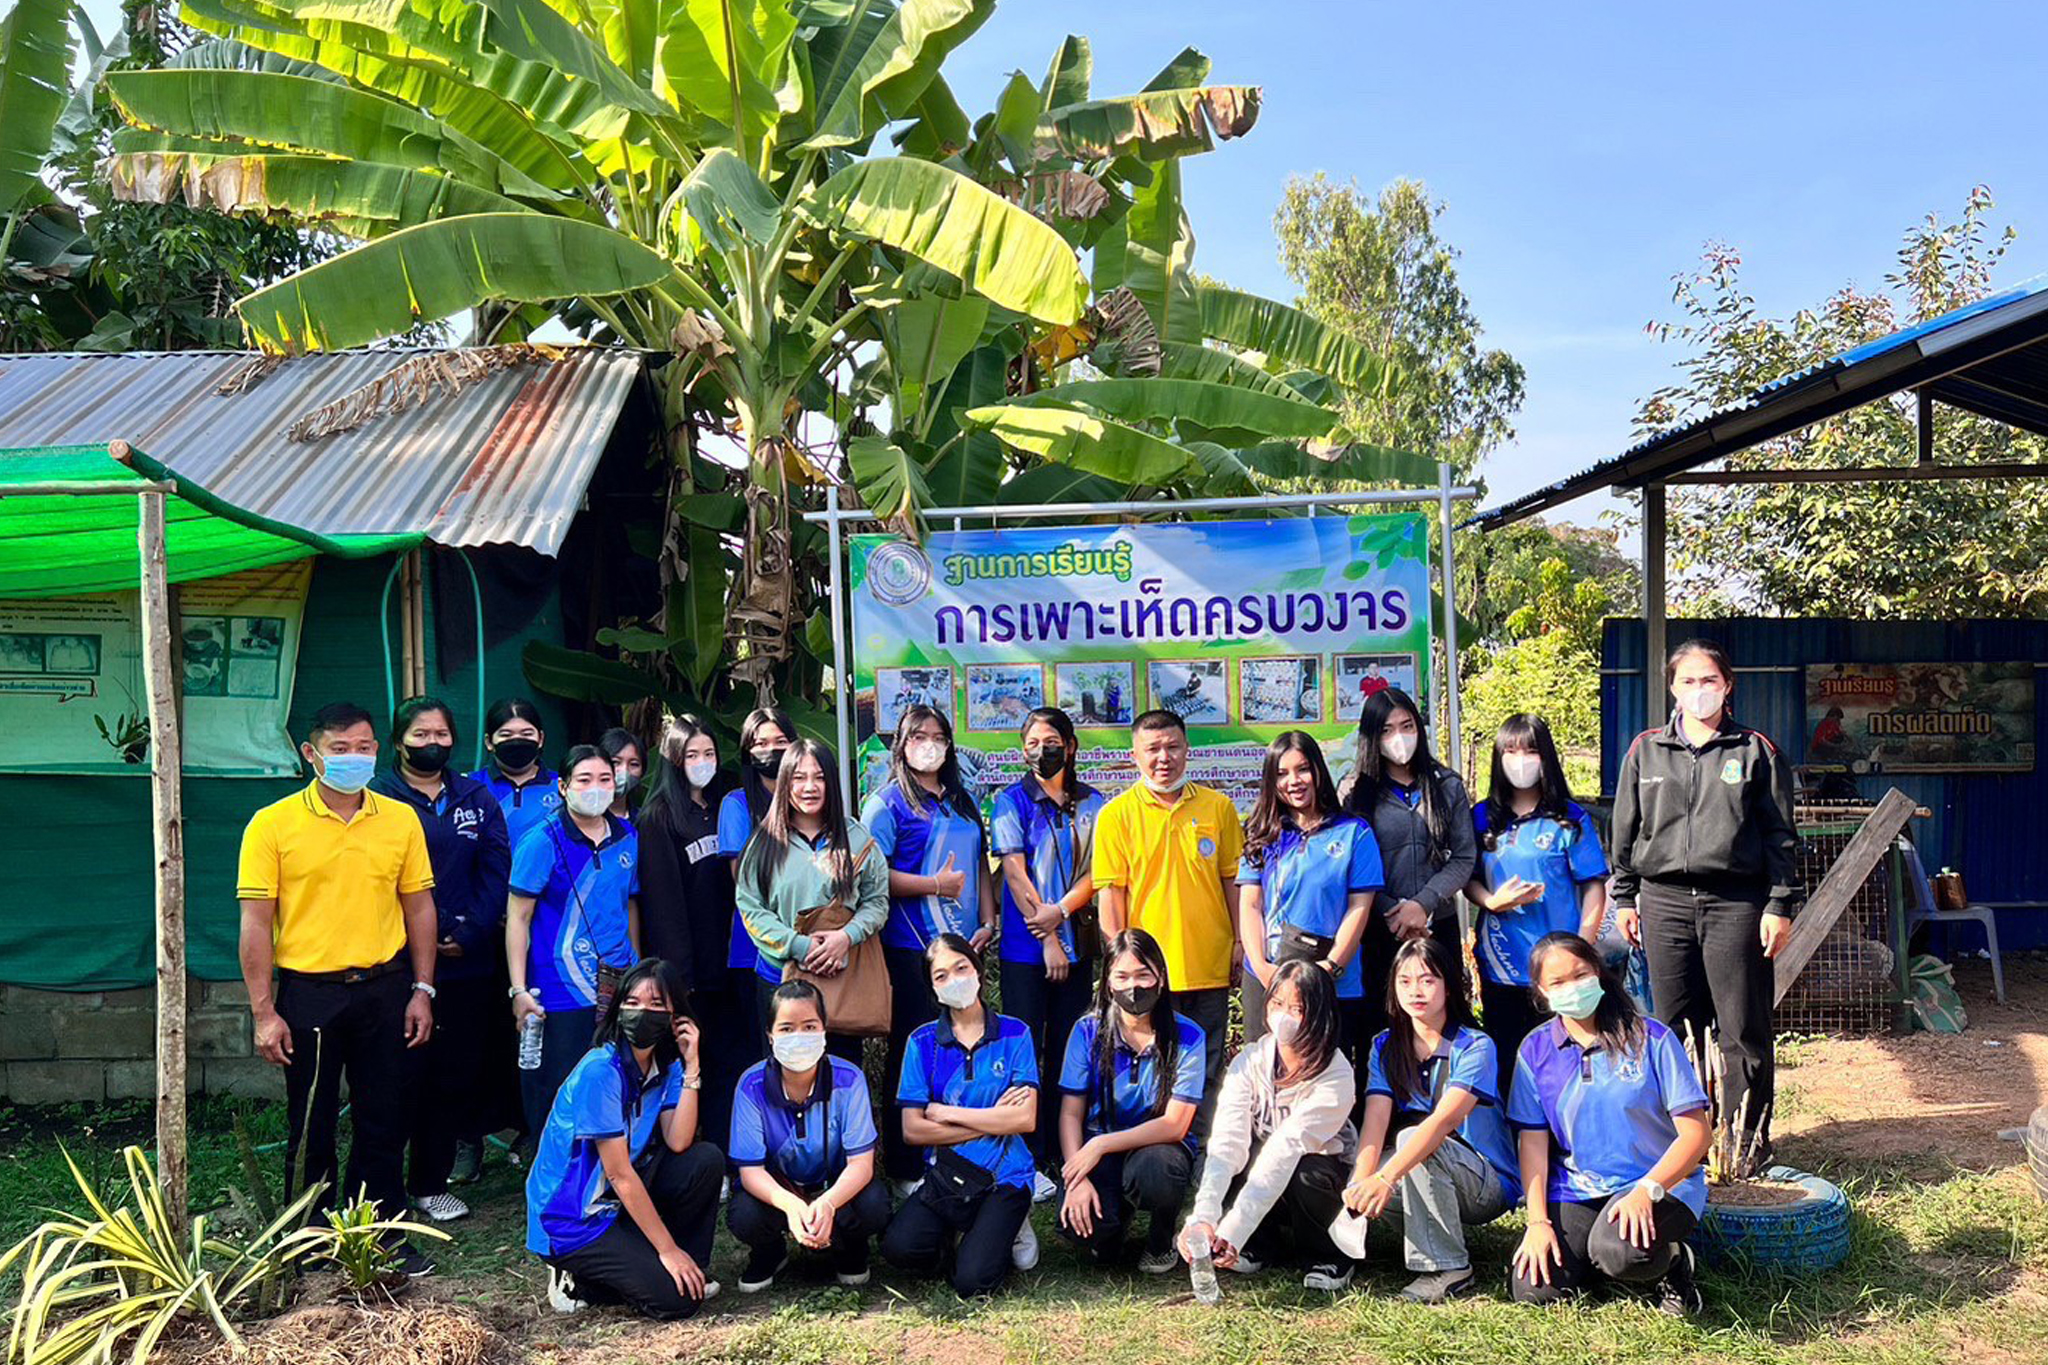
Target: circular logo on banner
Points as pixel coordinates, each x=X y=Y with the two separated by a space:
x=898 y=573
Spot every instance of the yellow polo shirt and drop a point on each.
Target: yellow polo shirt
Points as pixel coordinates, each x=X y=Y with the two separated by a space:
x=1172 y=858
x=336 y=881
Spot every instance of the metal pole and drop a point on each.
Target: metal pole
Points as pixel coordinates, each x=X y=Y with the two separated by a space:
x=1654 y=701
x=1406 y=497
x=168 y=837
x=842 y=681
x=1453 y=737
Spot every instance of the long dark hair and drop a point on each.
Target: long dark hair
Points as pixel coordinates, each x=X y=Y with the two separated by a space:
x=1370 y=770
x=671 y=982
x=1063 y=726
x=1617 y=1021
x=1108 y=1022
x=1317 y=1041
x=905 y=777
x=751 y=782
x=1271 y=815
x=1404 y=1070
x=955 y=943
x=773 y=836
x=1525 y=730
x=670 y=797
x=617 y=740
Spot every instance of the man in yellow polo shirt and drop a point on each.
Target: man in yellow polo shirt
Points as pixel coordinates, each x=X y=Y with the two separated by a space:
x=1166 y=854
x=337 y=900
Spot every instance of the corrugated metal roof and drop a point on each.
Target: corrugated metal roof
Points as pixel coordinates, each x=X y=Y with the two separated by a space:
x=503 y=461
x=1928 y=353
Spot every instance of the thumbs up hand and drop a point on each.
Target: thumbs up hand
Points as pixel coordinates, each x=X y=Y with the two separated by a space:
x=949 y=881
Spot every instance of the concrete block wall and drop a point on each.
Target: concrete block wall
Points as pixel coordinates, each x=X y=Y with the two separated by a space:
x=63 y=1047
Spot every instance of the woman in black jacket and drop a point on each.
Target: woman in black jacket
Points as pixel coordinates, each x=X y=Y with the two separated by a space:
x=686 y=906
x=1706 y=874
x=1421 y=815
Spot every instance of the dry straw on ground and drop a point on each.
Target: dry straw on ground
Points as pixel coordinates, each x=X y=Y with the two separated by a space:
x=345 y=1334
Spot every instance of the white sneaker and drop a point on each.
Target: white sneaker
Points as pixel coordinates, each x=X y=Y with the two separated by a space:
x=1024 y=1251
x=1331 y=1279
x=903 y=1189
x=1043 y=1187
x=442 y=1208
x=1245 y=1265
x=711 y=1288
x=562 y=1292
x=1159 y=1262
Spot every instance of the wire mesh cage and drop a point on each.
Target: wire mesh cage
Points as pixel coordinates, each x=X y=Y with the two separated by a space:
x=1851 y=983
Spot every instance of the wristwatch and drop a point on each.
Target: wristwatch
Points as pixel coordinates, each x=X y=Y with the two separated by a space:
x=1652 y=1189
x=513 y=993
x=425 y=989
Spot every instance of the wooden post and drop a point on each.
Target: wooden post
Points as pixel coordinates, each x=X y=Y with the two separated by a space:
x=167 y=827
x=1656 y=702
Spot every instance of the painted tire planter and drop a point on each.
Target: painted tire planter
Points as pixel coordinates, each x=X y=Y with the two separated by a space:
x=1809 y=1234
x=2036 y=1141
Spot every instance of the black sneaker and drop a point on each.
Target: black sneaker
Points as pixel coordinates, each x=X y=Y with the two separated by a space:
x=762 y=1268
x=411 y=1262
x=1678 y=1296
x=469 y=1164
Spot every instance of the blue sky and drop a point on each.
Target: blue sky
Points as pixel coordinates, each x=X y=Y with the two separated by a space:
x=1586 y=151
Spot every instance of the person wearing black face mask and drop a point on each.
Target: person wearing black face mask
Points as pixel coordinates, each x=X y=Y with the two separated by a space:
x=454 y=1079
x=1132 y=1078
x=618 y=1216
x=1044 y=831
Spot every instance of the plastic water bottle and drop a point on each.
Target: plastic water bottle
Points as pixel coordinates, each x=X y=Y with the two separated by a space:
x=1202 y=1273
x=529 y=1043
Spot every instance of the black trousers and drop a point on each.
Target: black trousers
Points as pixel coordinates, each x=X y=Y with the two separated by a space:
x=1707 y=968
x=1049 y=1009
x=1511 y=1015
x=1299 y=1224
x=564 y=1038
x=356 y=1031
x=911 y=1005
x=1211 y=1009
x=762 y=1227
x=1593 y=1250
x=450 y=1081
x=623 y=1264
x=1151 y=1180
x=984 y=1226
x=731 y=1038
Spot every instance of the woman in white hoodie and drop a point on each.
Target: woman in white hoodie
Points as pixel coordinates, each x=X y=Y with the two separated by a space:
x=1280 y=1147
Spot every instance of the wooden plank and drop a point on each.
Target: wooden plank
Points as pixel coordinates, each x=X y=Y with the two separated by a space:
x=167 y=828
x=1840 y=886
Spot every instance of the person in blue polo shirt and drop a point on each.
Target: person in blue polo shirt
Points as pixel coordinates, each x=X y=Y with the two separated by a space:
x=598 y=1160
x=528 y=793
x=1541 y=871
x=457 y=1076
x=803 y=1137
x=929 y=830
x=1613 y=1126
x=1306 y=887
x=571 y=922
x=970 y=1096
x=1043 y=829
x=1132 y=1079
x=1434 y=1147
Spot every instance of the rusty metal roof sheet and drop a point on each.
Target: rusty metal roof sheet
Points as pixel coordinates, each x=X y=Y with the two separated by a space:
x=503 y=460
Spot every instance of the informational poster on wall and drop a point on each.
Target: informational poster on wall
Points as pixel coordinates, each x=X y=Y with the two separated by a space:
x=71 y=692
x=1920 y=718
x=1245 y=628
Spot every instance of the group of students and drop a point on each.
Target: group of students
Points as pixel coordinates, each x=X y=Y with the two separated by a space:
x=663 y=965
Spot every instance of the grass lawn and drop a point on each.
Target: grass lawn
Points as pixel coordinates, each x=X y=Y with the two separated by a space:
x=1950 y=1258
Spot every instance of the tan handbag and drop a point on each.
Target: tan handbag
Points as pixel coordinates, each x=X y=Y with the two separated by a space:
x=858 y=1000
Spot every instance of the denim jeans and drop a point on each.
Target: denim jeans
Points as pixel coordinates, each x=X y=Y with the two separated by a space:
x=1437 y=1200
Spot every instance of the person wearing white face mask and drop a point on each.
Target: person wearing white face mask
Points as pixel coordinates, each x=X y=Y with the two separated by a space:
x=803 y=1137
x=1541 y=871
x=1706 y=859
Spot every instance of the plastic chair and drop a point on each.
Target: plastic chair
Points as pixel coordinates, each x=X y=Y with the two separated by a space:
x=1923 y=910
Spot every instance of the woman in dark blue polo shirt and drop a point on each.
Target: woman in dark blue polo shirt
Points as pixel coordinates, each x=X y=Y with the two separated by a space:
x=803 y=1137
x=1613 y=1125
x=970 y=1096
x=526 y=791
x=1132 y=1080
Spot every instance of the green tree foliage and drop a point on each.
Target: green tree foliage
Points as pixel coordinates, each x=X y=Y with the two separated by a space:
x=1913 y=550
x=1501 y=577
x=1380 y=273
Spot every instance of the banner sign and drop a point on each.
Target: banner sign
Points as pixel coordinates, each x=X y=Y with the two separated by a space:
x=1925 y=718
x=71 y=693
x=1245 y=628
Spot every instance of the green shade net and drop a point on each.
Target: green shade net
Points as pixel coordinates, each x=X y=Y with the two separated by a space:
x=61 y=545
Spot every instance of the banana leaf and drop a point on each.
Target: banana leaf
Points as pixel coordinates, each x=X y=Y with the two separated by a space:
x=311 y=188
x=878 y=71
x=1092 y=444
x=35 y=85
x=1213 y=407
x=1157 y=125
x=890 y=483
x=1288 y=335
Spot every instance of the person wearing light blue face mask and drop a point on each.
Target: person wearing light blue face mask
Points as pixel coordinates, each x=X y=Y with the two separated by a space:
x=336 y=890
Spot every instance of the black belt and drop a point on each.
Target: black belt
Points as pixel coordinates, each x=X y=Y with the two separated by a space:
x=349 y=976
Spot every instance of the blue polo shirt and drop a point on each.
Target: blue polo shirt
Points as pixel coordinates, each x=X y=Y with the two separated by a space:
x=803 y=1146
x=1609 y=1116
x=1473 y=1065
x=579 y=913
x=938 y=1070
x=569 y=1203
x=916 y=836
x=527 y=805
x=1134 y=1091
x=1561 y=854
x=1307 y=879
x=1055 y=840
x=735 y=827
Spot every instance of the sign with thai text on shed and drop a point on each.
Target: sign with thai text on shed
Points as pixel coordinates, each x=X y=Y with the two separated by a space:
x=1245 y=628
x=1928 y=718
